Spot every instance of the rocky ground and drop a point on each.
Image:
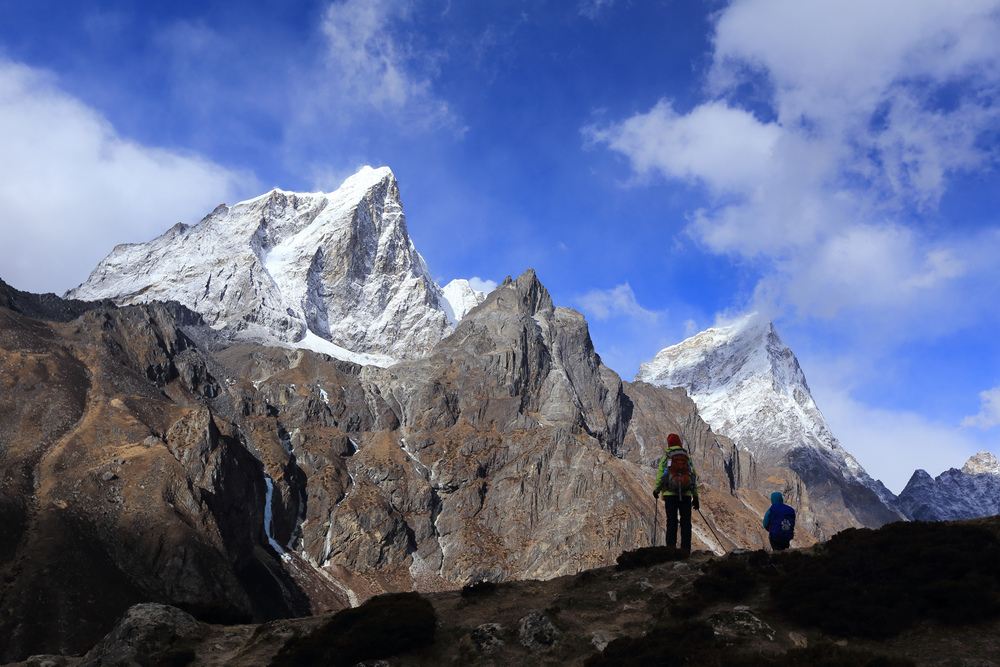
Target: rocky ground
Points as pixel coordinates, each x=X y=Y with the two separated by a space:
x=660 y=608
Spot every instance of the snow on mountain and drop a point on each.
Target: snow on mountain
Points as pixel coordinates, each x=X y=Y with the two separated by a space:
x=748 y=386
x=459 y=299
x=982 y=463
x=973 y=491
x=334 y=272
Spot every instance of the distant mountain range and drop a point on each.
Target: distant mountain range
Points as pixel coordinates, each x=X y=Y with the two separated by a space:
x=973 y=491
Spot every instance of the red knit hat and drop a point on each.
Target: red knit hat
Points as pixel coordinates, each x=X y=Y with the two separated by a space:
x=673 y=440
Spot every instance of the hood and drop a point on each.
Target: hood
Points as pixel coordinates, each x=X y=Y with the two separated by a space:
x=777 y=498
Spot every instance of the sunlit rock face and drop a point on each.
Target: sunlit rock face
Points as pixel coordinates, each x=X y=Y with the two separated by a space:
x=749 y=387
x=969 y=493
x=303 y=268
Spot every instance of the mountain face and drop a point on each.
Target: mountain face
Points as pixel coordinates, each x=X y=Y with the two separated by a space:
x=147 y=457
x=749 y=387
x=334 y=272
x=969 y=493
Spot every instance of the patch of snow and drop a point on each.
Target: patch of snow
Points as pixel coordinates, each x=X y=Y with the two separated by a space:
x=459 y=298
x=416 y=459
x=313 y=342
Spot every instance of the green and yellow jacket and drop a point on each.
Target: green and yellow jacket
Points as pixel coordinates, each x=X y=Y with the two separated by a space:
x=661 y=471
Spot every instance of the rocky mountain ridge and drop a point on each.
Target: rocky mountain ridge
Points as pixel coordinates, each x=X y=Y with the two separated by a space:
x=749 y=386
x=973 y=491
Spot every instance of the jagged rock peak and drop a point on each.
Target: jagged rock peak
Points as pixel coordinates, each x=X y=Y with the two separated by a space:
x=983 y=463
x=525 y=295
x=335 y=272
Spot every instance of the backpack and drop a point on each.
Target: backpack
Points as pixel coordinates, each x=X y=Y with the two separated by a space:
x=677 y=473
x=782 y=522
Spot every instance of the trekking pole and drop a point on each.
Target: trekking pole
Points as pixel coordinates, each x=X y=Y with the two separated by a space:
x=656 y=517
x=717 y=539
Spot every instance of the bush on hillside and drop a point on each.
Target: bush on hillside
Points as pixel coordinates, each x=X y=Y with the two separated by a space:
x=695 y=643
x=664 y=646
x=877 y=583
x=382 y=627
x=728 y=579
x=648 y=556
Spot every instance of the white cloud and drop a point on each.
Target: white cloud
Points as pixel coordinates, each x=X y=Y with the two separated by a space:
x=593 y=8
x=874 y=106
x=989 y=415
x=484 y=286
x=71 y=188
x=619 y=301
x=372 y=61
x=726 y=148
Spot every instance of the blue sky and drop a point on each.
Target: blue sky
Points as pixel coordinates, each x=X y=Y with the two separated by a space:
x=663 y=166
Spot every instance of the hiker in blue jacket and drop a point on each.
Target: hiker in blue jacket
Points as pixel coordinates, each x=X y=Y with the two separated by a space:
x=780 y=523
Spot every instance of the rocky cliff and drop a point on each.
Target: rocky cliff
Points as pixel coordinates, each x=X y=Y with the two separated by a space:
x=146 y=458
x=749 y=387
x=973 y=491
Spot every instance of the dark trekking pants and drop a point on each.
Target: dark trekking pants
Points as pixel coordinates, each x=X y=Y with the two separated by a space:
x=678 y=505
x=778 y=544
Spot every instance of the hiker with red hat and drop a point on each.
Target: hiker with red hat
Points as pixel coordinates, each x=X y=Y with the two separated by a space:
x=677 y=480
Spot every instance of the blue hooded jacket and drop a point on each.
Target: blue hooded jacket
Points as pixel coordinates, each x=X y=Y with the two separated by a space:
x=780 y=518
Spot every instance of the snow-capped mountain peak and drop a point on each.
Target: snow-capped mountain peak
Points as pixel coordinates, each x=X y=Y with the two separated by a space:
x=733 y=372
x=294 y=268
x=748 y=386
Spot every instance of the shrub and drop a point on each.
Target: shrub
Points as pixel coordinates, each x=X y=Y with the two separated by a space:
x=687 y=643
x=382 y=627
x=648 y=556
x=727 y=579
x=866 y=583
x=478 y=589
